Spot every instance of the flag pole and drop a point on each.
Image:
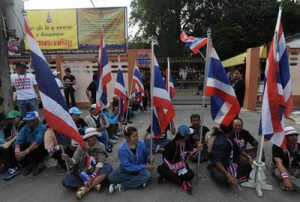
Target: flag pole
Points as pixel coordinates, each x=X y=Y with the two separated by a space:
x=67 y=164
x=151 y=91
x=257 y=175
x=207 y=64
x=120 y=128
x=130 y=92
x=168 y=80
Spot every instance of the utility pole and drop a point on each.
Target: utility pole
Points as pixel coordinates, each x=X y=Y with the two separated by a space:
x=5 y=90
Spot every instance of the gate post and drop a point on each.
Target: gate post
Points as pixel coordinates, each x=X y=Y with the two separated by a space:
x=251 y=78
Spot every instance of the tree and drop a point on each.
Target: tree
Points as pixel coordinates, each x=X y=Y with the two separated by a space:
x=6 y=89
x=236 y=25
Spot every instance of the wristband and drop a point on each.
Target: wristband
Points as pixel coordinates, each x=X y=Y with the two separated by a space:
x=94 y=175
x=227 y=174
x=17 y=150
x=27 y=151
x=284 y=175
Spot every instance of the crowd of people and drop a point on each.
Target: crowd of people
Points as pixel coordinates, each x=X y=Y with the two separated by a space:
x=26 y=140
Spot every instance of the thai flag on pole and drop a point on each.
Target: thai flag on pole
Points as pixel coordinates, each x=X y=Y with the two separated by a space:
x=138 y=85
x=169 y=82
x=193 y=43
x=277 y=97
x=120 y=90
x=224 y=104
x=104 y=75
x=55 y=108
x=163 y=110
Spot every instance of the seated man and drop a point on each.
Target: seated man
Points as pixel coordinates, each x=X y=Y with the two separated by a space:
x=98 y=121
x=194 y=138
x=80 y=123
x=224 y=164
x=29 y=145
x=160 y=141
x=287 y=167
x=242 y=137
x=11 y=131
x=113 y=128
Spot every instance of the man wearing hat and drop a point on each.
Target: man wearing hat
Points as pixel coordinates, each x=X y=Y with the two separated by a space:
x=69 y=81
x=59 y=83
x=11 y=131
x=80 y=123
x=27 y=92
x=287 y=161
x=29 y=144
x=89 y=164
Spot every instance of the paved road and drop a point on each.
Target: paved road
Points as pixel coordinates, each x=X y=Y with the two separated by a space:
x=47 y=186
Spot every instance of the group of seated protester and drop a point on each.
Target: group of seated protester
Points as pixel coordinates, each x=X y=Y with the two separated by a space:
x=25 y=141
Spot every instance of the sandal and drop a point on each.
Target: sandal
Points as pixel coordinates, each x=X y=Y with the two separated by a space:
x=98 y=187
x=81 y=191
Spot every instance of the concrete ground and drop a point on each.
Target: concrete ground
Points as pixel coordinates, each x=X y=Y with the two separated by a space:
x=47 y=186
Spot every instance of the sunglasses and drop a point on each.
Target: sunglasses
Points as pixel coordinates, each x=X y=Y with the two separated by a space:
x=291 y=135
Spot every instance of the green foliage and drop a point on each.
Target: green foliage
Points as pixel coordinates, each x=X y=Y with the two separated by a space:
x=236 y=25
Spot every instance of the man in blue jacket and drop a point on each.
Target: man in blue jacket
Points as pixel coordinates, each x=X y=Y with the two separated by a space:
x=29 y=144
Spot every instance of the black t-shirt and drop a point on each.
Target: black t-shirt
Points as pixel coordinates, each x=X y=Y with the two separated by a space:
x=162 y=136
x=172 y=152
x=242 y=138
x=194 y=138
x=81 y=126
x=239 y=89
x=10 y=129
x=289 y=158
x=93 y=88
x=70 y=78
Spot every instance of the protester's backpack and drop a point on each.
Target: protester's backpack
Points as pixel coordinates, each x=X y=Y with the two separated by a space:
x=210 y=138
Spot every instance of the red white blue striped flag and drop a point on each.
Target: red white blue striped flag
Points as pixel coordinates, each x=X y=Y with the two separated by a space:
x=194 y=43
x=169 y=82
x=104 y=75
x=55 y=108
x=138 y=85
x=120 y=90
x=224 y=104
x=277 y=97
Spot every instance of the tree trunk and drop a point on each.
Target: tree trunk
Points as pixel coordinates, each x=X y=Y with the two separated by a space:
x=5 y=90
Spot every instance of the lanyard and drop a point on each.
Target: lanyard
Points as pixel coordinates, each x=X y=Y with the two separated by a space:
x=14 y=129
x=182 y=151
x=291 y=158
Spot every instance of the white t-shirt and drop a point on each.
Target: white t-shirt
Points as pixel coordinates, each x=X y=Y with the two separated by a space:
x=24 y=85
x=60 y=85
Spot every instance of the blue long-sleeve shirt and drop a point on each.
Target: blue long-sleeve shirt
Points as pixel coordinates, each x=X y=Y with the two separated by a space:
x=134 y=162
x=27 y=136
x=111 y=118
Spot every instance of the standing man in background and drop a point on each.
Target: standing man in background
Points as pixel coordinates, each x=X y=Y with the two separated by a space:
x=70 y=82
x=239 y=85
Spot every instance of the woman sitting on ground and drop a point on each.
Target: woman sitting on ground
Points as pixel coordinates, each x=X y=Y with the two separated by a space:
x=135 y=169
x=174 y=166
x=90 y=169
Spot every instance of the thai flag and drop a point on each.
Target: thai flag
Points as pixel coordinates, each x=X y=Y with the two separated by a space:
x=224 y=104
x=55 y=108
x=138 y=85
x=120 y=90
x=277 y=97
x=104 y=75
x=169 y=82
x=163 y=110
x=193 y=43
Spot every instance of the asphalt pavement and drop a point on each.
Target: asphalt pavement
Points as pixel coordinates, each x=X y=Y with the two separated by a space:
x=47 y=186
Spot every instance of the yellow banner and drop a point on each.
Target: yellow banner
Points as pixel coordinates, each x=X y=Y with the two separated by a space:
x=91 y=22
x=54 y=29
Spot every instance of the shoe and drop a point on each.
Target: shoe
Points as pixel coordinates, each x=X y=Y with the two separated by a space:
x=11 y=172
x=162 y=180
x=129 y=121
x=114 y=187
x=124 y=123
x=39 y=168
x=81 y=191
x=115 y=137
x=119 y=134
x=144 y=185
x=112 y=141
x=108 y=150
x=98 y=188
x=27 y=170
x=60 y=168
x=3 y=169
x=187 y=187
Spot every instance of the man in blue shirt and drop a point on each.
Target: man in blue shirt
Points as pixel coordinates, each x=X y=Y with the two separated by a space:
x=29 y=144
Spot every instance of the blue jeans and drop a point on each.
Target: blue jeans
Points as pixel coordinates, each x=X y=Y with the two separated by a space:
x=27 y=106
x=156 y=144
x=104 y=138
x=73 y=181
x=127 y=180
